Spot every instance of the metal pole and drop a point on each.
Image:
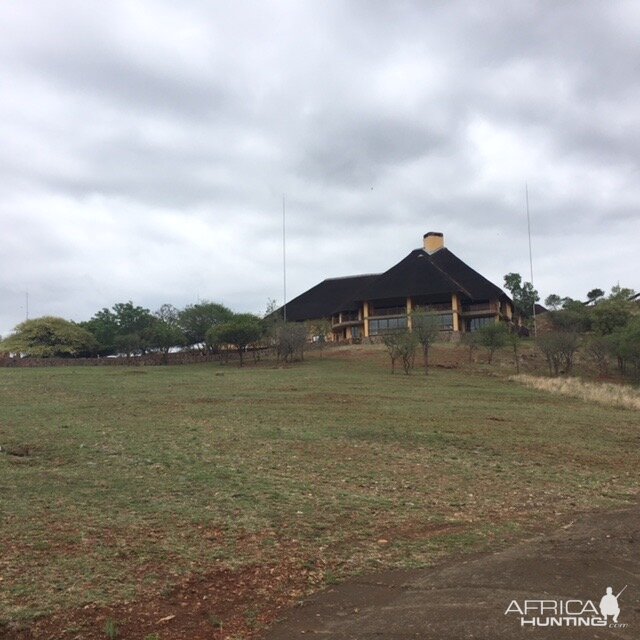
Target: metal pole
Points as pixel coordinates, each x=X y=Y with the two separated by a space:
x=284 y=260
x=526 y=188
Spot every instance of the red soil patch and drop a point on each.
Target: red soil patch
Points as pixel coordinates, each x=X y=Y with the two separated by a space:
x=214 y=606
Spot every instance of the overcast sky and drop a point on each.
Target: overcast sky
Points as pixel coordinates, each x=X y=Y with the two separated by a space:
x=145 y=146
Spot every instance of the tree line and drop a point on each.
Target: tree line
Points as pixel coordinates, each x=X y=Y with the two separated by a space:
x=604 y=329
x=128 y=330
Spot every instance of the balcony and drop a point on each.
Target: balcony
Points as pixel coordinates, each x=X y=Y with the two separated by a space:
x=346 y=317
x=388 y=311
x=436 y=307
x=480 y=308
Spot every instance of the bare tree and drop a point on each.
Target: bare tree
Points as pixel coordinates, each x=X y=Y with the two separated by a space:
x=470 y=340
x=513 y=339
x=290 y=339
x=392 y=342
x=408 y=345
x=426 y=329
x=597 y=349
x=400 y=345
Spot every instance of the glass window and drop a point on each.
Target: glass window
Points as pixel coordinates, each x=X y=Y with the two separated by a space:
x=446 y=321
x=473 y=324
x=385 y=325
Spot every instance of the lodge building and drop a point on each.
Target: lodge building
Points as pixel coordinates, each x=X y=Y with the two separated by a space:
x=430 y=279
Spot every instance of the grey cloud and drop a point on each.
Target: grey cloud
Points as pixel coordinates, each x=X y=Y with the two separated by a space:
x=146 y=147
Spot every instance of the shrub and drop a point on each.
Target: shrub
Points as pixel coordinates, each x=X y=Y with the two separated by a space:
x=559 y=348
x=493 y=337
x=290 y=339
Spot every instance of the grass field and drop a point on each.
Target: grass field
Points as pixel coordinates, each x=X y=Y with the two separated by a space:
x=117 y=483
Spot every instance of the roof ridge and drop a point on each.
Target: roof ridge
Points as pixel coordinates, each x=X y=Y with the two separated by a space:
x=443 y=272
x=358 y=275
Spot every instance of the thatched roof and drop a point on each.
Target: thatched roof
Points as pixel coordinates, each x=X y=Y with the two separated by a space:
x=326 y=298
x=424 y=274
x=419 y=274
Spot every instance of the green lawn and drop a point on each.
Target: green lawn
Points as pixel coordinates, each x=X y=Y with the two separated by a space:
x=138 y=476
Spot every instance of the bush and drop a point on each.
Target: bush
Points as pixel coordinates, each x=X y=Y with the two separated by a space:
x=559 y=348
x=493 y=337
x=290 y=339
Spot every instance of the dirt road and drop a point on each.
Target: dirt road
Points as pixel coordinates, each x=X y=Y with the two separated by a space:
x=468 y=599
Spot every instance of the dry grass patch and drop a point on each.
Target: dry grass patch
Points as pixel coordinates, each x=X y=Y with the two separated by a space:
x=613 y=395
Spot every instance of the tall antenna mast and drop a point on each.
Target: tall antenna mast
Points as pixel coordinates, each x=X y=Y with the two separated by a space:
x=26 y=296
x=284 y=260
x=526 y=190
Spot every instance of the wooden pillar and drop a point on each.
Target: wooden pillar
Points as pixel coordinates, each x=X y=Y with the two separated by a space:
x=455 y=311
x=365 y=316
x=409 y=306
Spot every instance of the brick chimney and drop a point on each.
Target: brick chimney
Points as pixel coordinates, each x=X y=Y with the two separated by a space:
x=433 y=241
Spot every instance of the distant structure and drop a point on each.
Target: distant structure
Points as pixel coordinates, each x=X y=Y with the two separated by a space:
x=430 y=279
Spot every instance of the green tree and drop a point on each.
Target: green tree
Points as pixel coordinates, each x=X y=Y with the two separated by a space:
x=104 y=328
x=523 y=294
x=553 y=302
x=622 y=293
x=426 y=328
x=611 y=314
x=574 y=316
x=196 y=320
x=241 y=330
x=130 y=318
x=594 y=295
x=49 y=337
x=168 y=314
x=163 y=336
x=121 y=328
x=492 y=337
x=128 y=344
x=625 y=344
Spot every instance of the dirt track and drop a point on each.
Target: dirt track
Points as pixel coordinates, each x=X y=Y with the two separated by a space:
x=468 y=599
